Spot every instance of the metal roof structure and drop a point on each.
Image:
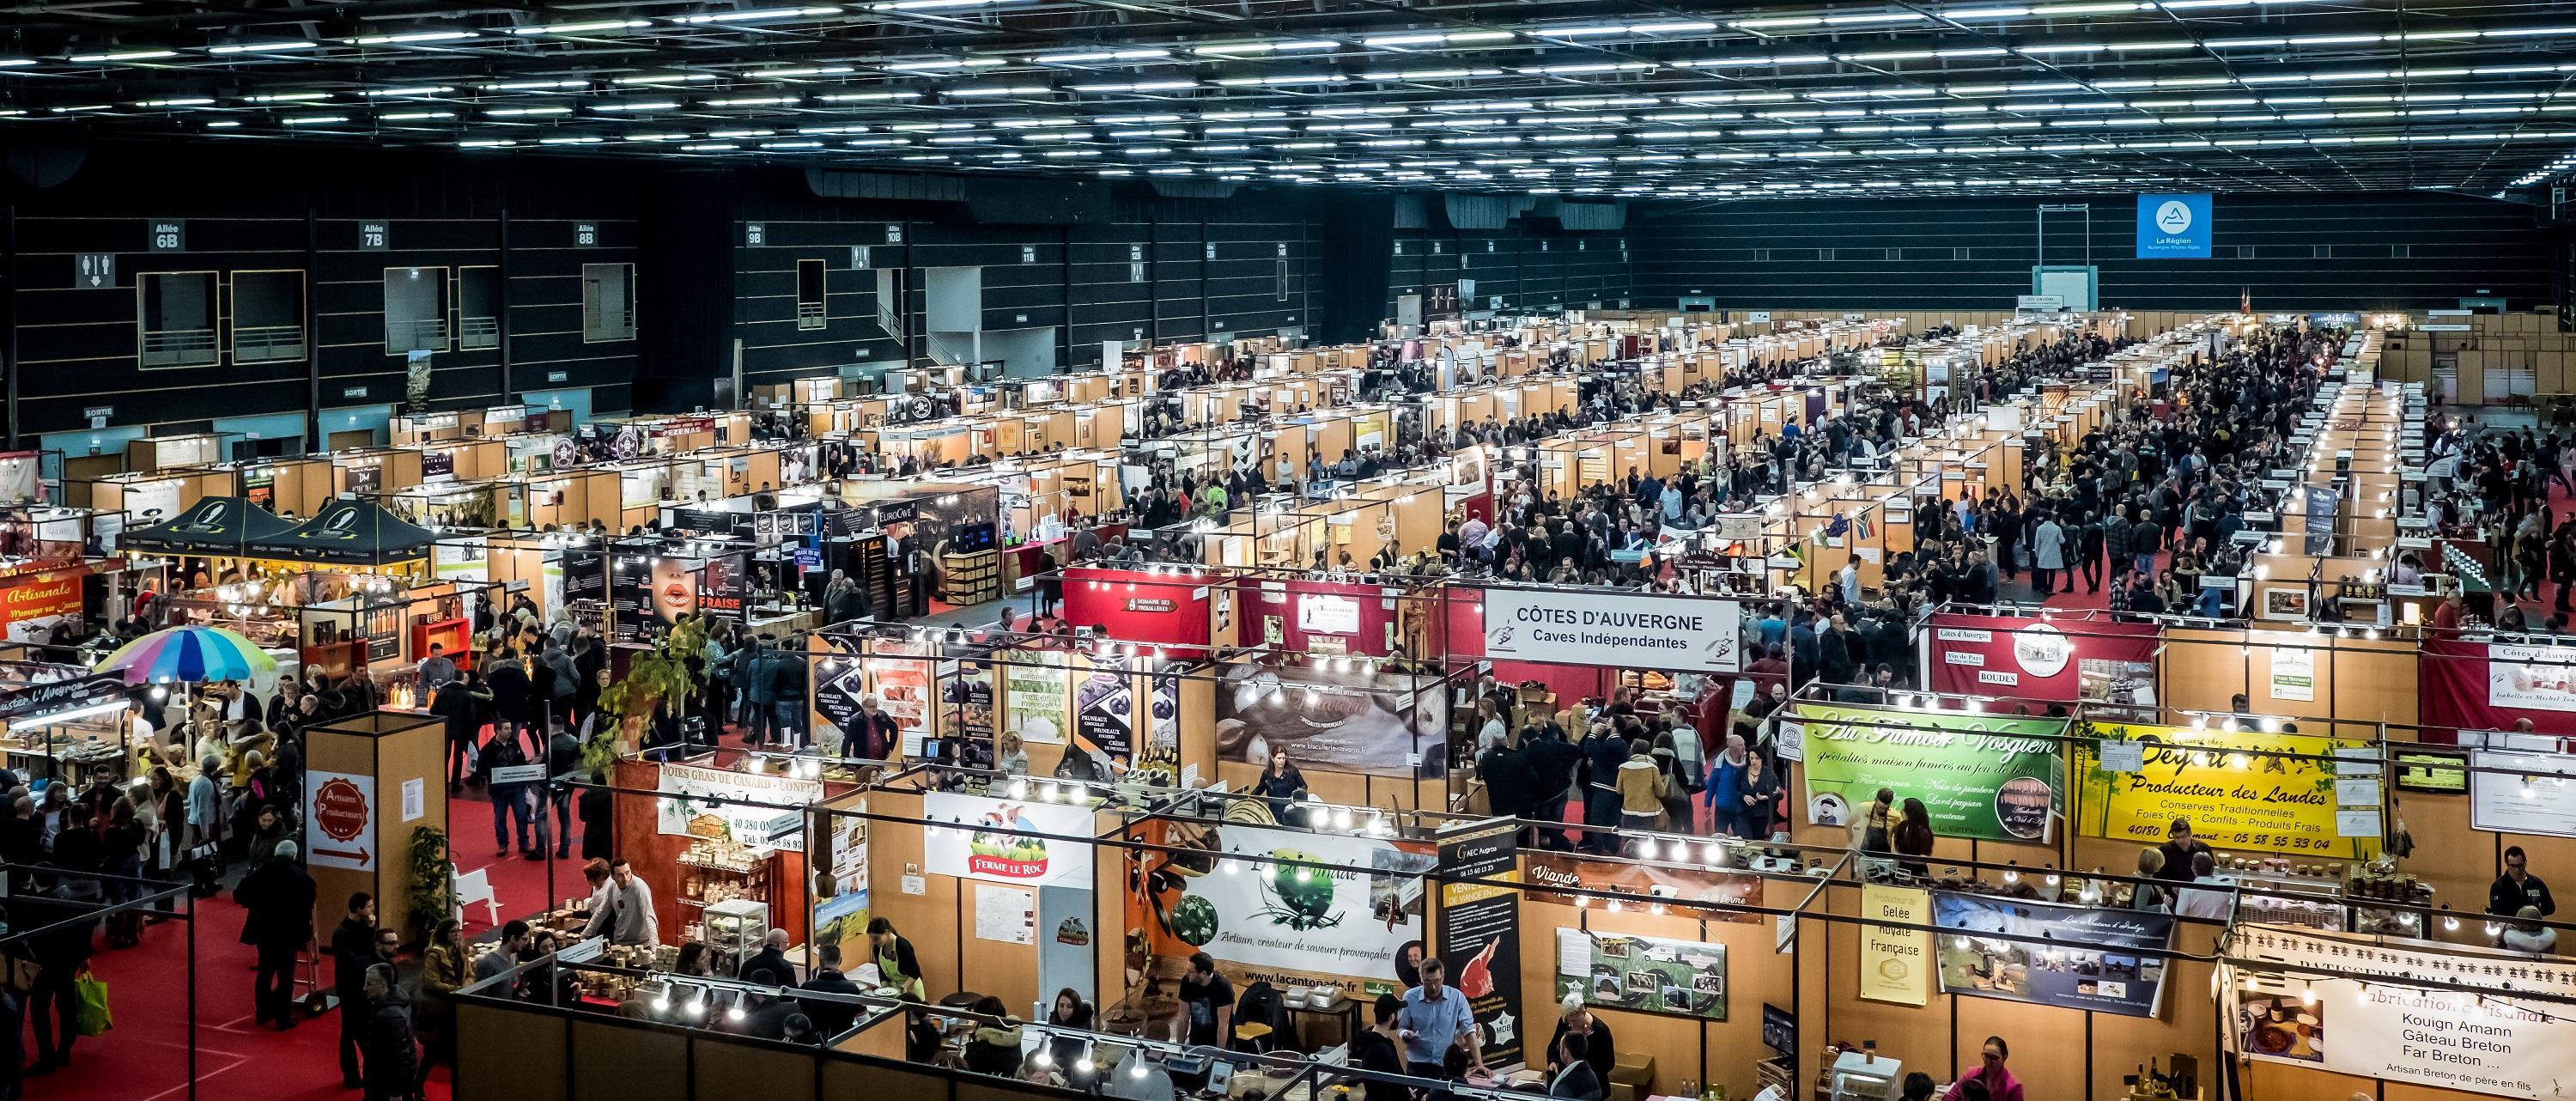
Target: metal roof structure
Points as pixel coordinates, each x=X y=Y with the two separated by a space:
x=1591 y=98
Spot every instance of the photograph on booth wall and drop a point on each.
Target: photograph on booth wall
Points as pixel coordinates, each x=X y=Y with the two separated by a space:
x=2089 y=970
x=1646 y=974
x=1384 y=724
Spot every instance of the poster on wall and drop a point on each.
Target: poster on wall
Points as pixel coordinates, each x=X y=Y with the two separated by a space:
x=1374 y=722
x=1479 y=929
x=1035 y=687
x=1316 y=909
x=1638 y=632
x=694 y=803
x=148 y=503
x=843 y=915
x=2066 y=660
x=2341 y=1003
x=903 y=691
x=2535 y=678
x=1102 y=706
x=966 y=700
x=2234 y=800
x=2099 y=966
x=1158 y=762
x=1683 y=880
x=1000 y=840
x=2294 y=673
x=259 y=487
x=585 y=575
x=1894 y=960
x=2525 y=793
x=1645 y=974
x=1988 y=777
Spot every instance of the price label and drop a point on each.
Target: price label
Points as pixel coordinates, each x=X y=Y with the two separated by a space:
x=2124 y=755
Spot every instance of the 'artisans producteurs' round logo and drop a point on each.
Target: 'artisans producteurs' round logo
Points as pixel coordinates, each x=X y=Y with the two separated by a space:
x=340 y=810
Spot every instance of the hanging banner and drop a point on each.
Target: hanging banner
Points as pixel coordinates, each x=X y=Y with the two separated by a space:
x=1644 y=974
x=1681 y=882
x=1159 y=763
x=1989 y=777
x=1034 y=689
x=903 y=691
x=2234 y=800
x=1102 y=706
x=1479 y=929
x=993 y=840
x=1588 y=627
x=42 y=595
x=2090 y=970
x=1293 y=922
x=2536 y=678
x=968 y=700
x=839 y=684
x=2341 y=1002
x=2318 y=531
x=2294 y=673
x=1334 y=718
x=2064 y=660
x=693 y=804
x=1894 y=961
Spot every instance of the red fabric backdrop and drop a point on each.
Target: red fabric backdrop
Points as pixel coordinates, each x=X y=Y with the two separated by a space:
x=2028 y=658
x=2452 y=695
x=1139 y=605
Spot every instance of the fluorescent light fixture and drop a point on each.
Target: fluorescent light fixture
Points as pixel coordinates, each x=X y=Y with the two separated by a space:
x=175 y=103
x=417 y=116
x=639 y=105
x=124 y=55
x=570 y=141
x=752 y=101
x=667 y=78
x=709 y=147
x=410 y=38
x=524 y=112
x=592 y=27
x=798 y=73
x=290 y=97
x=398 y=93
x=254 y=48
x=757 y=15
x=536 y=85
x=313 y=120
x=942 y=64
x=985 y=90
x=867 y=97
x=225 y=124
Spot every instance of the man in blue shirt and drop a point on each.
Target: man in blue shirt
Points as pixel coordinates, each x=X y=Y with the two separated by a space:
x=1436 y=1018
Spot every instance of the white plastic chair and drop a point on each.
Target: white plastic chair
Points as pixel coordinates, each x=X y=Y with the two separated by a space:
x=473 y=887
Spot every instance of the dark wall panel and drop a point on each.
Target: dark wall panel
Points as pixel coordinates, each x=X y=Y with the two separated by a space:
x=2365 y=251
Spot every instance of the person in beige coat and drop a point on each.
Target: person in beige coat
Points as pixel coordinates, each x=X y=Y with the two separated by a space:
x=1641 y=789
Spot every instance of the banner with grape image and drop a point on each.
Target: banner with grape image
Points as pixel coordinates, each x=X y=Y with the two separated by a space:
x=1292 y=908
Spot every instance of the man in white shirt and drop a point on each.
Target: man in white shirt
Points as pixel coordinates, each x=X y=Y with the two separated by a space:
x=2210 y=896
x=624 y=909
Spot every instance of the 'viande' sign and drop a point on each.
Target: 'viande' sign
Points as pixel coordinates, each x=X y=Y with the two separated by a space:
x=1695 y=634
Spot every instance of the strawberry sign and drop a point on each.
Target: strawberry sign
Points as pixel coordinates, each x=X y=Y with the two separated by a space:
x=341 y=809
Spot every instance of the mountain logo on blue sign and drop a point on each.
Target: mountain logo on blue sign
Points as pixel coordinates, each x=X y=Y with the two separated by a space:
x=2173 y=217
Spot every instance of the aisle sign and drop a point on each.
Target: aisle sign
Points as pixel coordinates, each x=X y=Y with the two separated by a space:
x=2173 y=227
x=1894 y=960
x=2339 y=1002
x=341 y=809
x=1636 y=632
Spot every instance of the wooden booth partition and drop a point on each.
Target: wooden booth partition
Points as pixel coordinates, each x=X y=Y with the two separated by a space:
x=1685 y=1048
x=656 y=855
x=939 y=914
x=2057 y=1052
x=575 y=498
x=2352 y=685
x=300 y=486
x=165 y=452
x=370 y=782
x=374 y=470
x=162 y=494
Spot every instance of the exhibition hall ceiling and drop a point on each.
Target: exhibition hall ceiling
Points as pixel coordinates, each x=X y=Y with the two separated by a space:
x=1590 y=99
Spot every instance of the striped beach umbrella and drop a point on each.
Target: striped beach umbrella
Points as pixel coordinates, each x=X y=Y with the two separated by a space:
x=188 y=655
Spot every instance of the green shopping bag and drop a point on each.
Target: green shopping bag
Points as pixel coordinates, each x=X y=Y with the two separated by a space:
x=94 y=1019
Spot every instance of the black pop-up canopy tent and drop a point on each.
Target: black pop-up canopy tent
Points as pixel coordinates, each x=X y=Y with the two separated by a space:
x=225 y=527
x=349 y=531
